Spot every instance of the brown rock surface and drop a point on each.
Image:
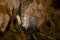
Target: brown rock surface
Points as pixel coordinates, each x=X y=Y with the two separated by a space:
x=40 y=18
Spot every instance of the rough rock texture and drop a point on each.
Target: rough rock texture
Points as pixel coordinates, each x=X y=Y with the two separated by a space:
x=40 y=20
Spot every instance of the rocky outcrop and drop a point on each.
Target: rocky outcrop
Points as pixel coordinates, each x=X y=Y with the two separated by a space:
x=29 y=20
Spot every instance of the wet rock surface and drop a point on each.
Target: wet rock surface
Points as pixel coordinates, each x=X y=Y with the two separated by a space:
x=29 y=20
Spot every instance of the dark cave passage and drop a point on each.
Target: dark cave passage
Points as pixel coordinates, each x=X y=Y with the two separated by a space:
x=55 y=4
